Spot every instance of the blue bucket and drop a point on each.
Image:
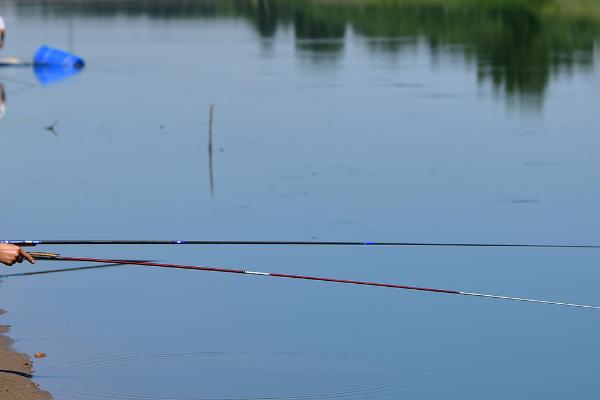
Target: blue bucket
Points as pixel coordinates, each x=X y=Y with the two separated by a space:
x=48 y=56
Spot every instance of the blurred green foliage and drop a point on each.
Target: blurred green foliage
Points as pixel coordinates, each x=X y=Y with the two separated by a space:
x=515 y=44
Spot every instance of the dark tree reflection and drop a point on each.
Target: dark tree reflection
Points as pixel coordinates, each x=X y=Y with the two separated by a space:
x=516 y=46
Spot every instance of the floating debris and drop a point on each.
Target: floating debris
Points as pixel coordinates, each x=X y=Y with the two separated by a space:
x=52 y=127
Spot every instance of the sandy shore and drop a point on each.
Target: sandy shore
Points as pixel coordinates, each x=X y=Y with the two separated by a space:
x=16 y=370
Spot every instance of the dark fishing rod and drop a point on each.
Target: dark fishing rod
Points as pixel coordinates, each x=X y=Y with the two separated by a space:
x=61 y=270
x=50 y=256
x=293 y=243
x=56 y=257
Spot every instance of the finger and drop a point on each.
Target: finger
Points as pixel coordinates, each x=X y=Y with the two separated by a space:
x=27 y=256
x=19 y=259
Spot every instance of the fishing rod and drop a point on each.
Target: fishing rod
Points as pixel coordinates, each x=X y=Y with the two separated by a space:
x=48 y=256
x=57 y=257
x=293 y=243
x=55 y=271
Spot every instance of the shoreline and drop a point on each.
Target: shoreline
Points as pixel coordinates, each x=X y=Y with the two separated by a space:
x=16 y=372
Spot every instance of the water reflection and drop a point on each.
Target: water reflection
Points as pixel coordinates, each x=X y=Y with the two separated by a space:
x=2 y=27
x=49 y=66
x=2 y=100
x=323 y=38
x=45 y=75
x=515 y=46
x=211 y=176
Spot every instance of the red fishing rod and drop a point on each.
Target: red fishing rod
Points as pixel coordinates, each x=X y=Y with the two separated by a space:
x=56 y=257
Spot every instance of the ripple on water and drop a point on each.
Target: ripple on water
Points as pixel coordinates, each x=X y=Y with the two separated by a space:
x=216 y=375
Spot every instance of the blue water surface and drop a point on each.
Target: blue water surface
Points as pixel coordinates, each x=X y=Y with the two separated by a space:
x=360 y=137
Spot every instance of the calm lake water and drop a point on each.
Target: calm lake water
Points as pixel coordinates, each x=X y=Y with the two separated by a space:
x=331 y=122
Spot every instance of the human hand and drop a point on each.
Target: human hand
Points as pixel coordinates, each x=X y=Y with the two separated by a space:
x=11 y=254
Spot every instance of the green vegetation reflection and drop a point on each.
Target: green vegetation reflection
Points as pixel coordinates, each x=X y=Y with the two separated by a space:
x=516 y=45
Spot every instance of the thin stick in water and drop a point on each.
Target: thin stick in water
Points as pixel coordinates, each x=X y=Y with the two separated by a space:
x=210 y=150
